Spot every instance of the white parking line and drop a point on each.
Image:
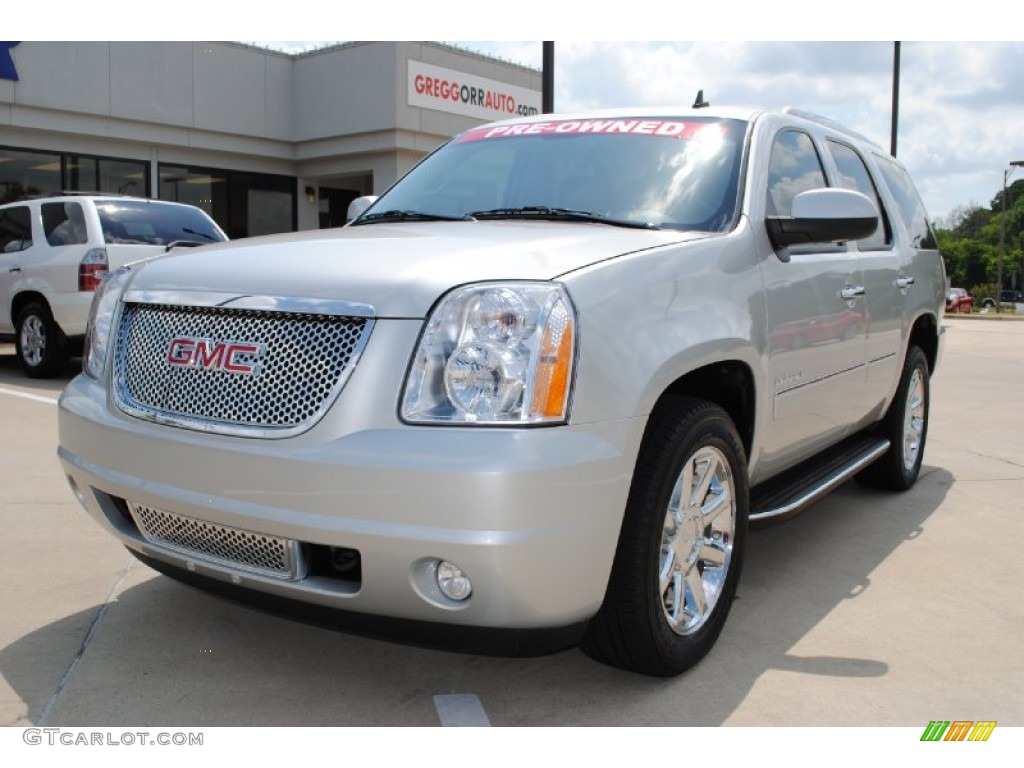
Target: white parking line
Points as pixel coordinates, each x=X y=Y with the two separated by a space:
x=28 y=396
x=461 y=709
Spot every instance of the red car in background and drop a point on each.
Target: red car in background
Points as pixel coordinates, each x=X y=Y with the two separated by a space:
x=959 y=300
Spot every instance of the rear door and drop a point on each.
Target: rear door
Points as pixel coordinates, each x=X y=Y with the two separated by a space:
x=15 y=251
x=64 y=243
x=884 y=289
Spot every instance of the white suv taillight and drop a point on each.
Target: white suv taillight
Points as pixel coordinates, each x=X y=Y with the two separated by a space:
x=91 y=270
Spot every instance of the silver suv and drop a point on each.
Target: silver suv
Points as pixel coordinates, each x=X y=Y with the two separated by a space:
x=534 y=394
x=55 y=250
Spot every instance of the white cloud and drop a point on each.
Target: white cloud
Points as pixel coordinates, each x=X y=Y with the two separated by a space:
x=961 y=104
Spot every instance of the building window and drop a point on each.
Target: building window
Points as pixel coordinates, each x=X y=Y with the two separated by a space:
x=203 y=189
x=243 y=204
x=102 y=174
x=25 y=173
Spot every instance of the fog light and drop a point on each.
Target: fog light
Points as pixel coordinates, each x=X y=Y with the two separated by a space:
x=76 y=490
x=452 y=582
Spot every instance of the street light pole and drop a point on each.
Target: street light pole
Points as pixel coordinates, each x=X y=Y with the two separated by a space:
x=1013 y=165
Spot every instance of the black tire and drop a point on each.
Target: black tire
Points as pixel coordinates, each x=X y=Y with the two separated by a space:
x=40 y=344
x=988 y=303
x=906 y=427
x=634 y=628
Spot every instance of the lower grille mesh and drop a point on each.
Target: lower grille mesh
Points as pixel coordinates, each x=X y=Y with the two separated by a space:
x=268 y=555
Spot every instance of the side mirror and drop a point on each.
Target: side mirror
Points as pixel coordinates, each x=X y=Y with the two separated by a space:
x=357 y=206
x=824 y=216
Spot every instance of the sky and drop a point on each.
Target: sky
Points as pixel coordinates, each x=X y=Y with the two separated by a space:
x=961 y=111
x=961 y=118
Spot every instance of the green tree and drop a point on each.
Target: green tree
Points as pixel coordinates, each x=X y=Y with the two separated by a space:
x=970 y=243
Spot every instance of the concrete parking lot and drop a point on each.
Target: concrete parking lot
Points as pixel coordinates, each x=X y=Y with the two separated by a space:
x=868 y=609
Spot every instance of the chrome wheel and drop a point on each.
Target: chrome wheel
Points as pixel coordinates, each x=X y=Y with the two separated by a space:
x=905 y=426
x=913 y=419
x=41 y=346
x=33 y=340
x=697 y=540
x=681 y=544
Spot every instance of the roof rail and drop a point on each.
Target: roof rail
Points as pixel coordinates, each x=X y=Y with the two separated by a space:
x=71 y=193
x=829 y=123
x=91 y=193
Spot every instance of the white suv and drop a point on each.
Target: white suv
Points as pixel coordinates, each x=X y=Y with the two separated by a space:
x=55 y=250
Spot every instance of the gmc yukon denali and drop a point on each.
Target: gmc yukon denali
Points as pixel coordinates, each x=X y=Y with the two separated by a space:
x=532 y=396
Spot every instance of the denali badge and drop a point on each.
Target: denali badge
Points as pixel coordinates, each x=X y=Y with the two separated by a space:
x=230 y=356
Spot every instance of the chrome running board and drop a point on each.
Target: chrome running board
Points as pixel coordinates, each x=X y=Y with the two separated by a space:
x=804 y=484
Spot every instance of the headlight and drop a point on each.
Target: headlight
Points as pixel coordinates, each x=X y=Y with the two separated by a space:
x=495 y=354
x=101 y=318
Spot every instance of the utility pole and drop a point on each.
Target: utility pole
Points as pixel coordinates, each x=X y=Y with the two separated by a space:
x=895 y=96
x=1013 y=165
x=548 y=78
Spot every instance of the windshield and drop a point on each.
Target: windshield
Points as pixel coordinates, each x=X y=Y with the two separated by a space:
x=669 y=173
x=153 y=223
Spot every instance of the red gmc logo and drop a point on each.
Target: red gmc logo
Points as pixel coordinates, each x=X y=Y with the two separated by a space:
x=215 y=355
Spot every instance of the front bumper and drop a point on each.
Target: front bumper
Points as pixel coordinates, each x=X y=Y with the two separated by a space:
x=532 y=516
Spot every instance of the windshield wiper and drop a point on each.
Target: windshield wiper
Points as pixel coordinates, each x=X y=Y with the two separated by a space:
x=559 y=214
x=384 y=216
x=211 y=238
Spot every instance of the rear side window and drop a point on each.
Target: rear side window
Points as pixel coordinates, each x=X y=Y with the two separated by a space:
x=794 y=167
x=853 y=174
x=15 y=229
x=64 y=224
x=908 y=203
x=154 y=223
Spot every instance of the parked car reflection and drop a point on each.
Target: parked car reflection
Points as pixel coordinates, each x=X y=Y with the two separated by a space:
x=818 y=330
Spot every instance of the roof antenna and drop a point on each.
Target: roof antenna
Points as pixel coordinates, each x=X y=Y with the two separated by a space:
x=699 y=102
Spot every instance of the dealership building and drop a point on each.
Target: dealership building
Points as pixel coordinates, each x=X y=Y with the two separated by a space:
x=263 y=141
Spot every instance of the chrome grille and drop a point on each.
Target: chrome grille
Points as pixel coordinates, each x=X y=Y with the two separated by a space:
x=303 y=362
x=258 y=552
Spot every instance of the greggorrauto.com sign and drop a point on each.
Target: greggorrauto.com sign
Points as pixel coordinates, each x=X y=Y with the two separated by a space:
x=449 y=91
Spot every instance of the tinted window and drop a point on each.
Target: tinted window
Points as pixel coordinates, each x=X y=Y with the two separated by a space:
x=673 y=173
x=908 y=203
x=794 y=167
x=64 y=224
x=15 y=229
x=853 y=174
x=153 y=223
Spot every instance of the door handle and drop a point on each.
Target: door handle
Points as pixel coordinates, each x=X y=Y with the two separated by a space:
x=903 y=282
x=851 y=292
x=15 y=269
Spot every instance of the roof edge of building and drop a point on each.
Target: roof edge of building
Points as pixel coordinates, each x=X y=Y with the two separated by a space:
x=332 y=47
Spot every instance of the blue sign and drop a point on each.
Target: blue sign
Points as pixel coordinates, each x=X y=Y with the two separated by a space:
x=7 y=70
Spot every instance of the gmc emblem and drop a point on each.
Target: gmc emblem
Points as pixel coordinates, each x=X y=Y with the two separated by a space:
x=230 y=356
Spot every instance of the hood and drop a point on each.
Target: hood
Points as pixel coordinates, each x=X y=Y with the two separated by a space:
x=398 y=269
